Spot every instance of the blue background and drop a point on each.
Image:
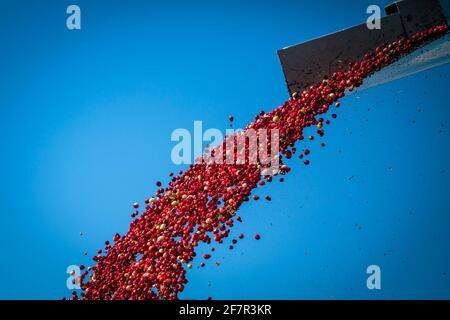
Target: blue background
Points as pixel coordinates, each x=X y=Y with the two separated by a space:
x=85 y=124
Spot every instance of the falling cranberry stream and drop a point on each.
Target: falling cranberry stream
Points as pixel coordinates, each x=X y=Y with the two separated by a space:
x=200 y=205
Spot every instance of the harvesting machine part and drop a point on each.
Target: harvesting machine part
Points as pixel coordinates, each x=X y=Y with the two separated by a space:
x=307 y=63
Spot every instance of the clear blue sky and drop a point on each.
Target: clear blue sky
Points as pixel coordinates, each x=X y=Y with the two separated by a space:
x=85 y=124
